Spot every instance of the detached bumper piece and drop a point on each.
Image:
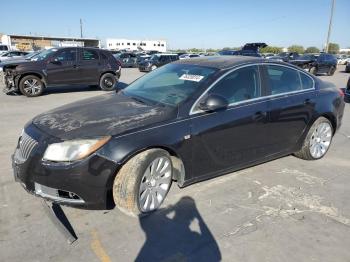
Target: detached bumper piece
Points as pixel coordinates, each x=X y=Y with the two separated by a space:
x=57 y=195
x=60 y=221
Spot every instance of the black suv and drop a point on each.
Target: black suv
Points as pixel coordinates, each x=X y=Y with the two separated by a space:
x=249 y=49
x=62 y=66
x=325 y=63
x=156 y=61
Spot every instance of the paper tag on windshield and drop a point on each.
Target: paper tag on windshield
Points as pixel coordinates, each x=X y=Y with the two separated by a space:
x=195 y=78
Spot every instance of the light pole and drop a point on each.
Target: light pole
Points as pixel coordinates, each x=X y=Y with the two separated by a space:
x=330 y=26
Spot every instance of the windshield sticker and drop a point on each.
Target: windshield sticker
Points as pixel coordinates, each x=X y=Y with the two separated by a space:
x=195 y=78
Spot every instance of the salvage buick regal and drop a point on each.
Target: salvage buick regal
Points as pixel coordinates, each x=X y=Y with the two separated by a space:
x=188 y=121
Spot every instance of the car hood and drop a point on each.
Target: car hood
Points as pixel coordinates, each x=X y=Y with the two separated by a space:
x=14 y=63
x=110 y=114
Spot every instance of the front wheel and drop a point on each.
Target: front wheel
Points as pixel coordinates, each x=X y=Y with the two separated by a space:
x=331 y=71
x=31 y=86
x=154 y=67
x=142 y=184
x=107 y=82
x=317 y=141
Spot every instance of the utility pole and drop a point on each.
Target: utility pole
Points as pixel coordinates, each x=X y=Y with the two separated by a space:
x=81 y=28
x=330 y=26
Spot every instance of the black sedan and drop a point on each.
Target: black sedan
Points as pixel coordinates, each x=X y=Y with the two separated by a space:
x=187 y=121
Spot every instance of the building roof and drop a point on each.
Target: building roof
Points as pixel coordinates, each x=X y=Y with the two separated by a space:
x=53 y=37
x=220 y=62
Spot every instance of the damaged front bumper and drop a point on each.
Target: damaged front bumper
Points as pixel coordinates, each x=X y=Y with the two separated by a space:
x=10 y=83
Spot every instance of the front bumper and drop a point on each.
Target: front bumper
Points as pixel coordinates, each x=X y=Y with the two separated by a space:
x=145 y=68
x=83 y=184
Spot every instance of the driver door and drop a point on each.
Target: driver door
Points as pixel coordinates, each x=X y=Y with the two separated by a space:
x=62 y=68
x=234 y=137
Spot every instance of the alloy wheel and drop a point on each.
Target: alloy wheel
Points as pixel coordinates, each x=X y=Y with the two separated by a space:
x=155 y=184
x=32 y=86
x=320 y=140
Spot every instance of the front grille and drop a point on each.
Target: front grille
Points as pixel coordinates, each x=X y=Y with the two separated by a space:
x=25 y=147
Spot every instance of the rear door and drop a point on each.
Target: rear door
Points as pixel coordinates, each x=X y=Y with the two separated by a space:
x=290 y=106
x=62 y=68
x=89 y=66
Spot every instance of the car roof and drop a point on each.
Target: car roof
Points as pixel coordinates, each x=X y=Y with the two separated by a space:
x=221 y=62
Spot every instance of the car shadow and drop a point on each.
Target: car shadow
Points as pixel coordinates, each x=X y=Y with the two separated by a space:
x=178 y=233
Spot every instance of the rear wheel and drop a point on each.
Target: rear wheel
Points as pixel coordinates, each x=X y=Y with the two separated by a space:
x=31 y=86
x=108 y=81
x=313 y=70
x=154 y=67
x=331 y=71
x=142 y=184
x=317 y=141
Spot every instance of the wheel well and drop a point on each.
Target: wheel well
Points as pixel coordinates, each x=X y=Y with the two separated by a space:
x=111 y=72
x=332 y=119
x=32 y=74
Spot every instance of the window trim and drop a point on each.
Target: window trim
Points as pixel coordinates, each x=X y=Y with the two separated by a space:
x=262 y=86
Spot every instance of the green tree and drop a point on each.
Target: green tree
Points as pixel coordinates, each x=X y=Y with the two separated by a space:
x=296 y=48
x=271 y=49
x=333 y=48
x=195 y=50
x=312 y=49
x=211 y=50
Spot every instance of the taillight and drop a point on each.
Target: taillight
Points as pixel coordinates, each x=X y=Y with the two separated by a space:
x=341 y=92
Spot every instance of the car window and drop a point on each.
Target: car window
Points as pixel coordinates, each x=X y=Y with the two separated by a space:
x=306 y=81
x=90 y=55
x=242 y=84
x=283 y=79
x=3 y=48
x=103 y=56
x=66 y=55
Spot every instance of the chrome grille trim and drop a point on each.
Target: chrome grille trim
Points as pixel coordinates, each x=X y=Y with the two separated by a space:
x=25 y=147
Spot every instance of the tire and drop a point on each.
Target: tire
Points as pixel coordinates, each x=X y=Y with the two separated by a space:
x=313 y=70
x=108 y=81
x=331 y=71
x=31 y=86
x=314 y=138
x=137 y=190
x=153 y=67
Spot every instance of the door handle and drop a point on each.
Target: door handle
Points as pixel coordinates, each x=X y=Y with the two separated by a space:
x=260 y=115
x=307 y=101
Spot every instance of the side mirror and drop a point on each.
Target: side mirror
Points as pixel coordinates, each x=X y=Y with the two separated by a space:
x=213 y=103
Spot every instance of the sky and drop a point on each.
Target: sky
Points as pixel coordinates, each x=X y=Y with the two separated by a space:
x=184 y=24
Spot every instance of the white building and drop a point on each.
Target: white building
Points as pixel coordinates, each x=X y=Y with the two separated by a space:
x=146 y=45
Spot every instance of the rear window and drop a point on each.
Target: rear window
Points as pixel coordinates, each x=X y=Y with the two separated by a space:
x=306 y=81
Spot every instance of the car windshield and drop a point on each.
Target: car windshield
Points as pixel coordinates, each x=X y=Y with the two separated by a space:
x=154 y=58
x=44 y=54
x=170 y=84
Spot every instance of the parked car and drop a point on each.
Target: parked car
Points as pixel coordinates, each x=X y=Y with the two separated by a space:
x=187 y=121
x=305 y=61
x=342 y=60
x=30 y=56
x=127 y=59
x=187 y=56
x=4 y=48
x=62 y=66
x=285 y=56
x=347 y=92
x=12 y=54
x=325 y=63
x=142 y=58
x=249 y=49
x=347 y=68
x=157 y=60
x=269 y=55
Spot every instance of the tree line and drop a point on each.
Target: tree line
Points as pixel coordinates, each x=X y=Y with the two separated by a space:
x=333 y=49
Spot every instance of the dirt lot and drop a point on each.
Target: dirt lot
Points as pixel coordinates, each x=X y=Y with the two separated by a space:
x=284 y=210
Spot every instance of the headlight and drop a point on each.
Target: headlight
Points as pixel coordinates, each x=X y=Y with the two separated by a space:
x=73 y=149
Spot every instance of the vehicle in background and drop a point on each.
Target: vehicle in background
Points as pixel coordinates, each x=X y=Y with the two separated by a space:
x=304 y=61
x=187 y=56
x=325 y=63
x=285 y=56
x=269 y=55
x=141 y=58
x=188 y=121
x=347 y=67
x=28 y=57
x=343 y=59
x=12 y=54
x=4 y=48
x=127 y=59
x=249 y=49
x=157 y=60
x=62 y=66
